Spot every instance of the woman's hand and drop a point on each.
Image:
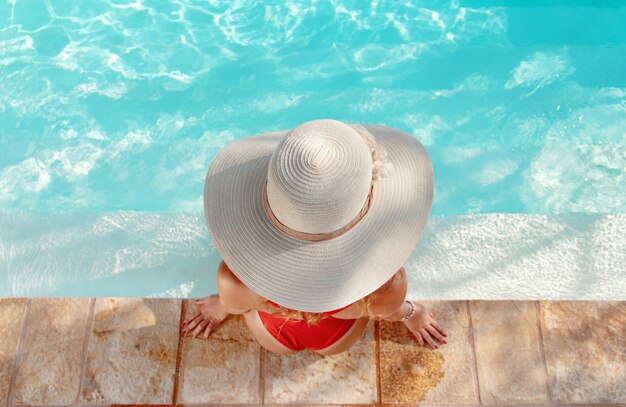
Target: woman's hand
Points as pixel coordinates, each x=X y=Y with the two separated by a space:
x=424 y=326
x=209 y=314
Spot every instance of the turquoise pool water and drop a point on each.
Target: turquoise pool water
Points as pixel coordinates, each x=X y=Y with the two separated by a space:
x=108 y=105
x=117 y=105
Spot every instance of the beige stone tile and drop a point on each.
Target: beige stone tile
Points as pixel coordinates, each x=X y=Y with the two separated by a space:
x=52 y=351
x=307 y=377
x=131 y=357
x=585 y=348
x=223 y=368
x=11 y=319
x=413 y=374
x=219 y=371
x=508 y=353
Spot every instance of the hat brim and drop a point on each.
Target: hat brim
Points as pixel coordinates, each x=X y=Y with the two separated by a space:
x=324 y=275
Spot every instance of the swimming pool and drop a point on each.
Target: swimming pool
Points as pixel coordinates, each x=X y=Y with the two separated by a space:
x=110 y=106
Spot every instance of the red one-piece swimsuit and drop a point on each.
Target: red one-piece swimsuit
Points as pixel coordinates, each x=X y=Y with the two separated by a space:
x=297 y=335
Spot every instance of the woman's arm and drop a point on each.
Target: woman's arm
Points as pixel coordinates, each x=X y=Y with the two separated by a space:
x=235 y=296
x=422 y=323
x=232 y=298
x=387 y=301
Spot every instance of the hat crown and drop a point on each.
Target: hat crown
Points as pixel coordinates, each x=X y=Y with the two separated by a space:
x=319 y=176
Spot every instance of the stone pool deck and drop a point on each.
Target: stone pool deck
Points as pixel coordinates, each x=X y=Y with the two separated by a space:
x=108 y=351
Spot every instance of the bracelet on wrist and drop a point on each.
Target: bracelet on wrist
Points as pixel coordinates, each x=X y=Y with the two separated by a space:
x=410 y=314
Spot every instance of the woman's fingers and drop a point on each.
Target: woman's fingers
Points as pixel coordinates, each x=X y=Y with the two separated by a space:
x=200 y=327
x=419 y=338
x=440 y=329
x=195 y=320
x=435 y=333
x=428 y=338
x=188 y=320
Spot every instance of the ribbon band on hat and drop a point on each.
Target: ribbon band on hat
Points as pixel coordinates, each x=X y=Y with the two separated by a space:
x=314 y=237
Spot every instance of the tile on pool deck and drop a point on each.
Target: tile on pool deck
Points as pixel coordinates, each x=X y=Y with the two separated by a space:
x=131 y=354
x=508 y=352
x=127 y=352
x=12 y=316
x=412 y=374
x=585 y=347
x=309 y=378
x=52 y=351
x=223 y=368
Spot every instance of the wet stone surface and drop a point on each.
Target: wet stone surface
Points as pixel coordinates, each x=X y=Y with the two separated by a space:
x=413 y=374
x=408 y=372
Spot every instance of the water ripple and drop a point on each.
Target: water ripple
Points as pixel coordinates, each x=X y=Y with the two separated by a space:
x=122 y=104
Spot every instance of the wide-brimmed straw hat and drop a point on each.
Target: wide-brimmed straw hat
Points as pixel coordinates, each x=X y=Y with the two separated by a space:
x=319 y=216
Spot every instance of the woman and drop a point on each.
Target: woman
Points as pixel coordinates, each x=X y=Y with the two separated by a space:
x=314 y=225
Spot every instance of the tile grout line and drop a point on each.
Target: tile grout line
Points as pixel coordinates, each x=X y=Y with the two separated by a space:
x=542 y=350
x=379 y=391
x=261 y=375
x=183 y=311
x=18 y=353
x=83 y=358
x=472 y=341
